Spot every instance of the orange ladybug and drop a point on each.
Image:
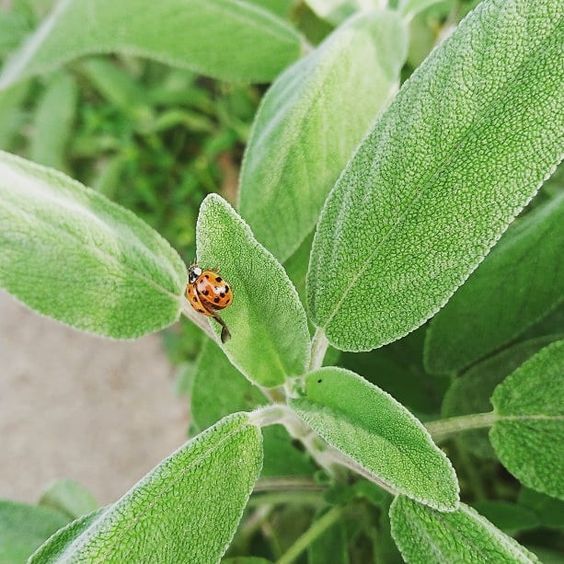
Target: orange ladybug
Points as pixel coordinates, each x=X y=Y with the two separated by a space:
x=207 y=293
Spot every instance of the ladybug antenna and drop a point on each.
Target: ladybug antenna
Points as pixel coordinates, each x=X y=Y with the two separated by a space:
x=225 y=334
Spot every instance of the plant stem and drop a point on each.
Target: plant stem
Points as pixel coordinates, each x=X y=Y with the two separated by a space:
x=319 y=346
x=287 y=483
x=198 y=320
x=443 y=428
x=317 y=529
x=313 y=499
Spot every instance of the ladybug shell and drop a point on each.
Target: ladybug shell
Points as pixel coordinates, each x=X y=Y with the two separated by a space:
x=194 y=299
x=213 y=292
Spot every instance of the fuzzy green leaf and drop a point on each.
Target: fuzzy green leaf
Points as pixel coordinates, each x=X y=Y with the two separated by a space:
x=69 y=497
x=270 y=338
x=425 y=536
x=218 y=38
x=24 y=527
x=528 y=436
x=309 y=123
x=379 y=435
x=333 y=11
x=548 y=510
x=466 y=143
x=471 y=392
x=73 y=255
x=519 y=283
x=185 y=510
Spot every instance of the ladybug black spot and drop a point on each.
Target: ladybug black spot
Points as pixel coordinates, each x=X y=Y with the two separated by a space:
x=205 y=292
x=226 y=288
x=216 y=300
x=201 y=310
x=207 y=277
x=218 y=279
x=222 y=294
x=227 y=301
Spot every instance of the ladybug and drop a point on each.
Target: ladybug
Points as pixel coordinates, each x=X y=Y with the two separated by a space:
x=208 y=293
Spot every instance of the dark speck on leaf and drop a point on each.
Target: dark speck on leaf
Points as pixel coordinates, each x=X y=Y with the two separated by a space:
x=319 y=381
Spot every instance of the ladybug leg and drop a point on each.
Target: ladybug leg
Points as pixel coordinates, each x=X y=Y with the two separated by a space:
x=225 y=334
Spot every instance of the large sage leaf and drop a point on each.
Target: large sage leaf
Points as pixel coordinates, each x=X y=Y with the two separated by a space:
x=518 y=284
x=425 y=536
x=464 y=146
x=24 y=527
x=528 y=435
x=270 y=338
x=309 y=123
x=219 y=38
x=185 y=510
x=71 y=254
x=379 y=435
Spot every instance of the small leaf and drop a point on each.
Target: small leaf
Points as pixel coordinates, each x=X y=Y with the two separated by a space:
x=73 y=255
x=471 y=392
x=24 y=527
x=379 y=434
x=530 y=413
x=53 y=121
x=518 y=284
x=218 y=38
x=69 y=497
x=186 y=509
x=309 y=123
x=464 y=146
x=426 y=536
x=270 y=338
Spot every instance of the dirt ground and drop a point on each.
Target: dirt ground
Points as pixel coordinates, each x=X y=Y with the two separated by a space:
x=76 y=406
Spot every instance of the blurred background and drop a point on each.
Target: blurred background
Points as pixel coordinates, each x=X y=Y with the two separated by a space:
x=155 y=140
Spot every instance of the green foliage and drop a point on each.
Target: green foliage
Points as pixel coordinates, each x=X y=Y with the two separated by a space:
x=412 y=7
x=208 y=480
x=528 y=436
x=463 y=147
x=379 y=435
x=270 y=339
x=510 y=291
x=73 y=255
x=331 y=546
x=11 y=116
x=200 y=35
x=511 y=518
x=309 y=123
x=334 y=11
x=549 y=511
x=69 y=497
x=424 y=535
x=24 y=527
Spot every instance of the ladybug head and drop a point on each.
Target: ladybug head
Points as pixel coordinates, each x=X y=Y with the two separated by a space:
x=193 y=272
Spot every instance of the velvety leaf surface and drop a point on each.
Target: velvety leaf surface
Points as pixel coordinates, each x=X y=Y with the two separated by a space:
x=463 y=147
x=519 y=283
x=379 y=434
x=69 y=497
x=270 y=338
x=529 y=435
x=24 y=527
x=471 y=392
x=309 y=123
x=425 y=536
x=218 y=38
x=185 y=510
x=220 y=389
x=73 y=255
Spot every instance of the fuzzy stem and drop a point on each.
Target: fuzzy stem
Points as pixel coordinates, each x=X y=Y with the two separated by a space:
x=319 y=346
x=316 y=530
x=444 y=428
x=198 y=320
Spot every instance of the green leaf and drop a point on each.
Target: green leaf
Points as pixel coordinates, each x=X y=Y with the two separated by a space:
x=333 y=11
x=186 y=509
x=548 y=510
x=331 y=546
x=528 y=435
x=69 y=497
x=11 y=113
x=270 y=338
x=471 y=392
x=464 y=146
x=379 y=435
x=309 y=123
x=218 y=38
x=24 y=527
x=426 y=536
x=511 y=518
x=411 y=8
x=518 y=284
x=53 y=121
x=69 y=253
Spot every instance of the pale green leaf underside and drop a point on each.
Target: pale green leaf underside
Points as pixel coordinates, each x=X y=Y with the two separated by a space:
x=529 y=436
x=518 y=284
x=269 y=334
x=69 y=497
x=309 y=123
x=73 y=255
x=464 y=146
x=379 y=434
x=225 y=39
x=186 y=510
x=24 y=527
x=411 y=8
x=425 y=536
